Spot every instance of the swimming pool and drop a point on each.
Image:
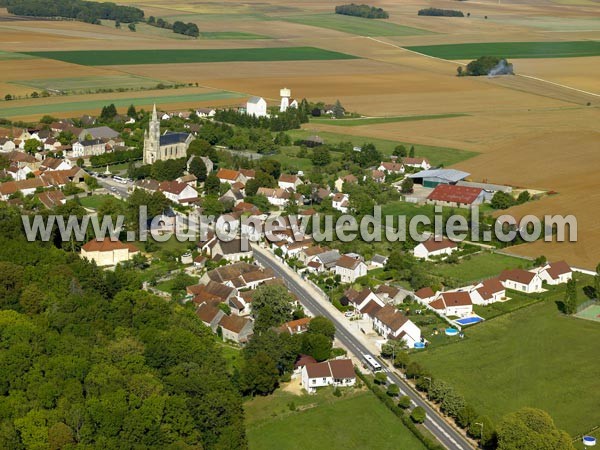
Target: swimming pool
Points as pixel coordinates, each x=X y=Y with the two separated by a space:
x=469 y=320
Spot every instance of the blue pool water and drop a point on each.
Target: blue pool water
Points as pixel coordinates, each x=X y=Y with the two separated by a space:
x=451 y=331
x=469 y=320
x=419 y=345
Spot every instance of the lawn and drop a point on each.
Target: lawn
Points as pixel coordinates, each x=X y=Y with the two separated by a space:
x=174 y=56
x=76 y=84
x=355 y=25
x=534 y=357
x=378 y=120
x=50 y=108
x=94 y=201
x=436 y=155
x=511 y=49
x=289 y=161
x=479 y=266
x=322 y=421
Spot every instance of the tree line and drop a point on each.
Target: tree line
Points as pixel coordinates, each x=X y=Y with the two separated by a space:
x=187 y=29
x=290 y=119
x=364 y=11
x=440 y=12
x=85 y=11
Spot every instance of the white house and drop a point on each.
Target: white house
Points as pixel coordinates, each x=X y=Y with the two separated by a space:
x=257 y=107
x=390 y=167
x=339 y=372
x=7 y=145
x=287 y=181
x=433 y=247
x=417 y=163
x=230 y=176
x=178 y=192
x=107 y=252
x=51 y=164
x=425 y=295
x=341 y=202
x=206 y=112
x=487 y=292
x=521 y=280
x=366 y=301
x=349 y=269
x=555 y=273
x=457 y=303
x=92 y=147
x=392 y=324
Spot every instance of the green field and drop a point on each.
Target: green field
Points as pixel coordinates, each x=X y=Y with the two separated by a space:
x=175 y=56
x=377 y=120
x=50 y=108
x=231 y=35
x=4 y=56
x=355 y=25
x=78 y=84
x=511 y=49
x=94 y=201
x=534 y=357
x=479 y=266
x=322 y=421
x=436 y=155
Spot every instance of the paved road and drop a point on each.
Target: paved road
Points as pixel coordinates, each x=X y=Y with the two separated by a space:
x=447 y=435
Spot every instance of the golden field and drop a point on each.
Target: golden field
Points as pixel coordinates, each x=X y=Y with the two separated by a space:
x=533 y=130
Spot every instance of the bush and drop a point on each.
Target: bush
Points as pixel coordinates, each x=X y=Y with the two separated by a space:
x=364 y=11
x=418 y=415
x=393 y=390
x=337 y=392
x=380 y=378
x=404 y=402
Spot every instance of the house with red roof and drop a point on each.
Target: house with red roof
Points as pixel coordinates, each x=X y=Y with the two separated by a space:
x=178 y=192
x=555 y=273
x=349 y=269
x=434 y=247
x=107 y=252
x=230 y=176
x=521 y=280
x=392 y=324
x=488 y=291
x=456 y=303
x=425 y=295
x=417 y=163
x=456 y=196
x=338 y=372
x=388 y=167
x=287 y=181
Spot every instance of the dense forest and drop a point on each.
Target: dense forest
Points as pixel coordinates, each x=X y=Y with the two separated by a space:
x=440 y=12
x=364 y=11
x=85 y=11
x=87 y=360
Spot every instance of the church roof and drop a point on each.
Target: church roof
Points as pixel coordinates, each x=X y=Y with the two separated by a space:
x=173 y=138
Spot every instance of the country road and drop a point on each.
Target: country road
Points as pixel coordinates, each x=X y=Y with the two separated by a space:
x=446 y=435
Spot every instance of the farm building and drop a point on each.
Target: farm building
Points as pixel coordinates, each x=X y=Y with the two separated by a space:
x=431 y=178
x=455 y=196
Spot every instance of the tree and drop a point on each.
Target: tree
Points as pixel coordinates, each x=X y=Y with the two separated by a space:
x=411 y=153
x=338 y=110
x=466 y=416
x=404 y=402
x=117 y=24
x=259 y=374
x=459 y=71
x=597 y=282
x=91 y=182
x=393 y=390
x=407 y=185
x=131 y=112
x=8 y=97
x=212 y=184
x=108 y=112
x=320 y=156
x=271 y=306
x=418 y=414
x=32 y=146
x=316 y=345
x=211 y=206
x=523 y=197
x=380 y=378
x=400 y=151
x=570 y=303
x=502 y=200
x=530 y=428
x=198 y=168
x=402 y=359
x=131 y=27
x=322 y=325
x=483 y=423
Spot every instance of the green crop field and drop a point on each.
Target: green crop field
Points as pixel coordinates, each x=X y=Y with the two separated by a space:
x=534 y=357
x=174 y=56
x=378 y=120
x=436 y=155
x=50 y=108
x=4 y=56
x=511 y=49
x=355 y=25
x=231 y=35
x=81 y=84
x=323 y=421
x=479 y=266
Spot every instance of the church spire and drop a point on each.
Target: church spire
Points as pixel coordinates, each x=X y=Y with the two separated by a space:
x=154 y=116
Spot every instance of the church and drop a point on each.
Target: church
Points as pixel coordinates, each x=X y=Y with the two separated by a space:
x=169 y=145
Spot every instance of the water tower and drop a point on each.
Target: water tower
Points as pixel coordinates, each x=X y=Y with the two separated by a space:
x=285 y=94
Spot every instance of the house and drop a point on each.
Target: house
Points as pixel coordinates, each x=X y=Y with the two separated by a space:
x=178 y=192
x=210 y=314
x=378 y=176
x=287 y=181
x=456 y=196
x=425 y=295
x=433 y=247
x=297 y=326
x=555 y=273
x=521 y=280
x=147 y=185
x=349 y=269
x=230 y=176
x=379 y=260
x=107 y=252
x=457 y=303
x=98 y=133
x=86 y=148
x=392 y=324
x=55 y=164
x=233 y=251
x=248 y=173
x=416 y=163
x=327 y=259
x=189 y=179
x=52 y=145
x=277 y=196
x=236 y=329
x=366 y=302
x=239 y=275
x=390 y=167
x=257 y=107
x=50 y=199
x=487 y=292
x=341 y=202
x=206 y=112
x=7 y=145
x=389 y=294
x=26 y=187
x=339 y=373
x=246 y=208
x=301 y=362
x=339 y=183
x=18 y=173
